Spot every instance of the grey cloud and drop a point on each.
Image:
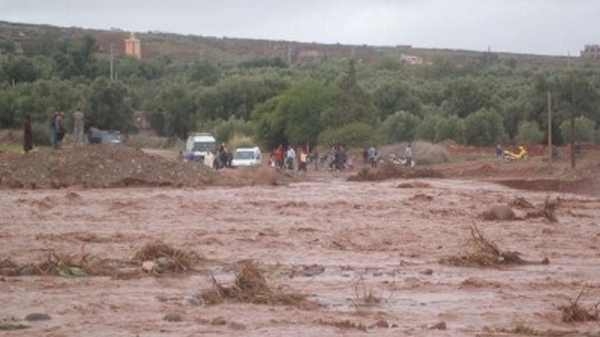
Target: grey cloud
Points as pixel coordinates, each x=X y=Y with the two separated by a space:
x=534 y=26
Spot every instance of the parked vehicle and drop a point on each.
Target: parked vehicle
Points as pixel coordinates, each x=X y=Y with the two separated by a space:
x=200 y=147
x=247 y=157
x=97 y=136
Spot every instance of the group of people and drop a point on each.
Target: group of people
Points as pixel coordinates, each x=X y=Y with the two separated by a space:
x=57 y=130
x=300 y=157
x=223 y=157
x=289 y=158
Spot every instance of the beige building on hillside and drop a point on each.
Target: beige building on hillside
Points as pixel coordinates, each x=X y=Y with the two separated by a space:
x=133 y=47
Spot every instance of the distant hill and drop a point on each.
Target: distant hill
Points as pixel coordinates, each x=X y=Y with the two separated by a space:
x=233 y=50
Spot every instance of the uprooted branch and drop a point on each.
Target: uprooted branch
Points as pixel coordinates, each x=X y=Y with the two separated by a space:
x=574 y=312
x=250 y=286
x=483 y=253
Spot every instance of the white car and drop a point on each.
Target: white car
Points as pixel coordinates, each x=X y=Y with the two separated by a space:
x=247 y=157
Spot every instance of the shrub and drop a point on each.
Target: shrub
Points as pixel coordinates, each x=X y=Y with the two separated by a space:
x=237 y=141
x=529 y=133
x=429 y=154
x=483 y=128
x=354 y=134
x=225 y=130
x=41 y=134
x=584 y=130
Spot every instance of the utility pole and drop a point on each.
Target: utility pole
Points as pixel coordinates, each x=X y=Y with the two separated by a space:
x=571 y=80
x=550 y=128
x=112 y=61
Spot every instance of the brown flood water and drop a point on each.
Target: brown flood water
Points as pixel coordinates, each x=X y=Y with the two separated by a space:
x=371 y=236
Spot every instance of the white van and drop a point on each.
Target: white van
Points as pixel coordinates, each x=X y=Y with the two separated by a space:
x=200 y=147
x=247 y=157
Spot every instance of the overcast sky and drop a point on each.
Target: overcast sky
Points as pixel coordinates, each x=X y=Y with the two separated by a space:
x=528 y=26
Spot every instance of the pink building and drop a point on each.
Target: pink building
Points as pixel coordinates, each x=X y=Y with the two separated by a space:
x=133 y=47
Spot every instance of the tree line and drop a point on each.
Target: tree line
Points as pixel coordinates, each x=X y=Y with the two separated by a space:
x=481 y=102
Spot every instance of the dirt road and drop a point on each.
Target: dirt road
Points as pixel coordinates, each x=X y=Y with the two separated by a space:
x=335 y=241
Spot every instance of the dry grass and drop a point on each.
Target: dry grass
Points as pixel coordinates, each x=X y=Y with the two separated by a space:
x=548 y=211
x=521 y=203
x=250 y=286
x=574 y=312
x=60 y=265
x=499 y=213
x=416 y=184
x=238 y=140
x=430 y=154
x=525 y=330
x=389 y=170
x=178 y=260
x=483 y=253
x=364 y=296
x=344 y=325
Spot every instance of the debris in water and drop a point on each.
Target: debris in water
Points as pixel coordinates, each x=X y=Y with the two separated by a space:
x=250 y=286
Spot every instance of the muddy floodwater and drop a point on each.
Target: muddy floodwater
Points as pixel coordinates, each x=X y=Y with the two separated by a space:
x=332 y=240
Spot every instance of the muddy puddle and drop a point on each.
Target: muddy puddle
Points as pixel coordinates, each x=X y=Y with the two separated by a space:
x=367 y=253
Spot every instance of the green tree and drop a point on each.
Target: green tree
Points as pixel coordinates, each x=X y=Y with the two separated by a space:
x=353 y=104
x=529 y=133
x=584 y=130
x=20 y=69
x=396 y=96
x=353 y=134
x=427 y=128
x=107 y=106
x=466 y=96
x=225 y=130
x=295 y=114
x=269 y=123
x=76 y=58
x=205 y=73
x=7 y=109
x=483 y=128
x=399 y=127
x=237 y=96
x=177 y=106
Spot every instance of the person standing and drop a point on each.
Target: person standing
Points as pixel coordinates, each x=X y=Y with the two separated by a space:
x=408 y=154
x=279 y=156
x=60 y=129
x=372 y=156
x=27 y=135
x=499 y=152
x=78 y=127
x=315 y=158
x=303 y=160
x=53 y=131
x=290 y=158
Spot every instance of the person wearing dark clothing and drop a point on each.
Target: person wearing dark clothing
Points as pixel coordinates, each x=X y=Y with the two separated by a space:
x=59 y=126
x=27 y=135
x=53 y=132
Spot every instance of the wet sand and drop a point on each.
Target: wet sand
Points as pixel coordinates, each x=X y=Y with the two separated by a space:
x=369 y=237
